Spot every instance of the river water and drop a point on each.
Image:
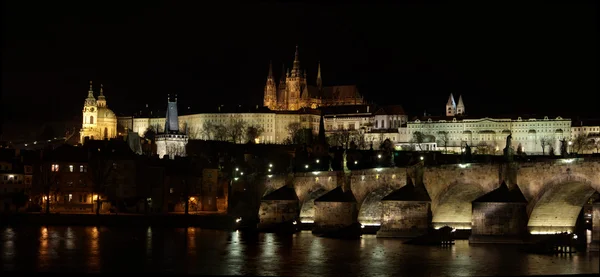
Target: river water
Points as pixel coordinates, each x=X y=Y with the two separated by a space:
x=200 y=251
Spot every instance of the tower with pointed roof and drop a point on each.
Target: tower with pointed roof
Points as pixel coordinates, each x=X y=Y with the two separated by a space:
x=294 y=93
x=460 y=107
x=172 y=142
x=98 y=121
x=451 y=106
x=270 y=98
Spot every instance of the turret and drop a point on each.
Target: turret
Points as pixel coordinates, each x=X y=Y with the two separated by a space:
x=281 y=88
x=451 y=106
x=296 y=67
x=460 y=108
x=90 y=100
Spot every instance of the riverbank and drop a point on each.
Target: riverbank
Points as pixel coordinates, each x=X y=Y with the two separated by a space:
x=209 y=221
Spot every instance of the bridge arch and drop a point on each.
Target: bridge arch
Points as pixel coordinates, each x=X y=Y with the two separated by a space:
x=557 y=205
x=371 y=209
x=453 y=207
x=307 y=208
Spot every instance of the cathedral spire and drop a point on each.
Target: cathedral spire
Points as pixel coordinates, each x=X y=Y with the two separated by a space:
x=296 y=67
x=270 y=76
x=319 y=80
x=101 y=90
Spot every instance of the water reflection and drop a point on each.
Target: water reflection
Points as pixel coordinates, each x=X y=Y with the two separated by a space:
x=197 y=251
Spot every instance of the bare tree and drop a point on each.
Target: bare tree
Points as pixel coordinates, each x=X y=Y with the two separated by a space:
x=360 y=140
x=579 y=143
x=444 y=139
x=418 y=138
x=544 y=141
x=341 y=138
x=220 y=132
x=236 y=127
x=293 y=129
x=253 y=132
x=208 y=130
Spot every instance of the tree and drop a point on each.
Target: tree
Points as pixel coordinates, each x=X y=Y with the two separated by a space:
x=220 y=132
x=418 y=138
x=443 y=139
x=544 y=141
x=341 y=138
x=360 y=140
x=150 y=133
x=100 y=168
x=579 y=143
x=519 y=149
x=235 y=128
x=208 y=130
x=293 y=129
x=253 y=132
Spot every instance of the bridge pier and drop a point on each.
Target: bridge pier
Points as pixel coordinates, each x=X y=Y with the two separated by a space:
x=500 y=217
x=595 y=244
x=279 y=210
x=406 y=212
x=336 y=214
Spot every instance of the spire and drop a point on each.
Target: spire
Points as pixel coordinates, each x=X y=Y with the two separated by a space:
x=319 y=81
x=296 y=67
x=321 y=136
x=172 y=120
x=270 y=76
x=460 y=108
x=282 y=80
x=91 y=91
x=451 y=100
x=460 y=101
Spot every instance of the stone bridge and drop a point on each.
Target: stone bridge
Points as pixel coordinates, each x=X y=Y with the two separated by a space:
x=555 y=190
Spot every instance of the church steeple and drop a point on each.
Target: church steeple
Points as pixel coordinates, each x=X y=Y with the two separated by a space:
x=172 y=118
x=270 y=97
x=296 y=68
x=91 y=92
x=319 y=81
x=270 y=76
x=101 y=98
x=451 y=106
x=460 y=108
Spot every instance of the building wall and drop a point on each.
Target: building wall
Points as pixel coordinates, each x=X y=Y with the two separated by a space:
x=493 y=132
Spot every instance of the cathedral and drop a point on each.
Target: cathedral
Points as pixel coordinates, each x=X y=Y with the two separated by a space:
x=99 y=122
x=293 y=91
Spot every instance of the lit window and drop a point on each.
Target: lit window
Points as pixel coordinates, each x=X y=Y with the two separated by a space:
x=171 y=190
x=81 y=168
x=70 y=197
x=70 y=168
x=55 y=167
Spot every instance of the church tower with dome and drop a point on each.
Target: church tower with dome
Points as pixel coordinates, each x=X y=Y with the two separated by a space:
x=99 y=122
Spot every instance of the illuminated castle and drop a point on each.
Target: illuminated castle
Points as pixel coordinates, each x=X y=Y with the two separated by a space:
x=293 y=91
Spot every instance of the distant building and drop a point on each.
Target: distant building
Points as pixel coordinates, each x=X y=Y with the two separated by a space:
x=99 y=122
x=293 y=91
x=15 y=179
x=485 y=135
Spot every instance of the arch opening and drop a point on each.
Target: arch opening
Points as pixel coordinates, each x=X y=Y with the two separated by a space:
x=307 y=211
x=454 y=207
x=371 y=210
x=558 y=206
x=105 y=133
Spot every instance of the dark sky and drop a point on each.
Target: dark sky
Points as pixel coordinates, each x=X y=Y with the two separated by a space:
x=502 y=59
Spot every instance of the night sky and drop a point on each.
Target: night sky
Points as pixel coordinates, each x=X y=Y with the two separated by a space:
x=503 y=59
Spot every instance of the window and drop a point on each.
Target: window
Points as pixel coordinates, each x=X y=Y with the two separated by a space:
x=55 y=167
x=70 y=168
x=91 y=119
x=351 y=126
x=81 y=169
x=70 y=197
